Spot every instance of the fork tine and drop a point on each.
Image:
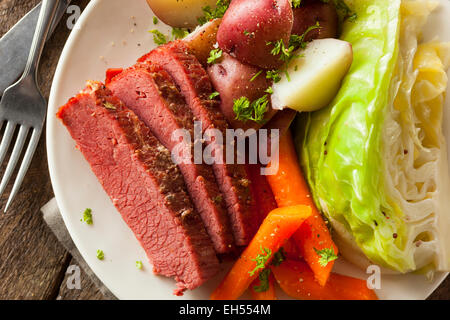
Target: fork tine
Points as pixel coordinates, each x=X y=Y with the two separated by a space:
x=24 y=166
x=14 y=157
x=6 y=141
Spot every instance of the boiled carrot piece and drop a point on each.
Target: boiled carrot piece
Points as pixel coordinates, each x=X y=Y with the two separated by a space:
x=298 y=281
x=291 y=250
x=261 y=191
x=290 y=188
x=257 y=287
x=278 y=226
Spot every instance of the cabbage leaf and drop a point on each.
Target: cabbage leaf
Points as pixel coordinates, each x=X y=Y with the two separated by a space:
x=375 y=157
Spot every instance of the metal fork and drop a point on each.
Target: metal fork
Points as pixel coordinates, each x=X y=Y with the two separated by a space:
x=23 y=105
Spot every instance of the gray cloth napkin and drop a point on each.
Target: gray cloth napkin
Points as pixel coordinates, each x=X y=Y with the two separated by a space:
x=54 y=220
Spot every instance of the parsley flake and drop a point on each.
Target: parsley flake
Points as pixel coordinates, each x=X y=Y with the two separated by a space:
x=296 y=3
x=87 y=216
x=256 y=75
x=214 y=55
x=211 y=14
x=158 y=37
x=213 y=95
x=255 y=111
x=179 y=33
x=263 y=281
x=139 y=265
x=100 y=254
x=261 y=260
x=327 y=255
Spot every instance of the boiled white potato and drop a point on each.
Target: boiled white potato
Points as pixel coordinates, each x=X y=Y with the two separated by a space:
x=315 y=76
x=180 y=13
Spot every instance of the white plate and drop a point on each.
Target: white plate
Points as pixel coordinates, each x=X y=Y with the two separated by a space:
x=113 y=33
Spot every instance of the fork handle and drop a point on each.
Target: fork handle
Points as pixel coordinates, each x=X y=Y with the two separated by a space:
x=46 y=15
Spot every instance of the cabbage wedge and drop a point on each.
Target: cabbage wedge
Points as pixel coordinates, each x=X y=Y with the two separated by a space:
x=376 y=158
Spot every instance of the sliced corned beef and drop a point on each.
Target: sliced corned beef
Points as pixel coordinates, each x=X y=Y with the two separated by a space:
x=150 y=92
x=137 y=173
x=195 y=85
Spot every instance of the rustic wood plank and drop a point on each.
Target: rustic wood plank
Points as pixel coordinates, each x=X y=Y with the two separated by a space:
x=32 y=262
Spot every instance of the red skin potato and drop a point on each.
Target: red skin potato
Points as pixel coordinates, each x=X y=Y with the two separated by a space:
x=231 y=78
x=311 y=13
x=247 y=27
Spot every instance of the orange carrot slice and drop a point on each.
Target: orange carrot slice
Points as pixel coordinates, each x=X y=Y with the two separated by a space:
x=290 y=188
x=278 y=226
x=298 y=281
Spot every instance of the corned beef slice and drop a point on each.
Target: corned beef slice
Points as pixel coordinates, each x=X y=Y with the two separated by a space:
x=145 y=186
x=196 y=86
x=152 y=95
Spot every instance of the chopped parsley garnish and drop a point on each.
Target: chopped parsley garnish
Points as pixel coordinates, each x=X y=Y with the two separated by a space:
x=326 y=256
x=273 y=75
x=255 y=111
x=256 y=75
x=296 y=3
x=279 y=48
x=263 y=281
x=287 y=53
x=218 y=12
x=297 y=41
x=87 y=216
x=139 y=265
x=214 y=55
x=100 y=254
x=179 y=33
x=278 y=257
x=155 y=20
x=214 y=95
x=261 y=260
x=158 y=37
x=269 y=90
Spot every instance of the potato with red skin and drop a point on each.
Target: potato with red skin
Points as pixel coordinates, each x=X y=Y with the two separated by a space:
x=232 y=79
x=249 y=25
x=312 y=12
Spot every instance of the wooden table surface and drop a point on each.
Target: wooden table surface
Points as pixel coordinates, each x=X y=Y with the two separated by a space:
x=32 y=263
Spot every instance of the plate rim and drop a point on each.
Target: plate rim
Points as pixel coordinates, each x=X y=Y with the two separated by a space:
x=51 y=148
